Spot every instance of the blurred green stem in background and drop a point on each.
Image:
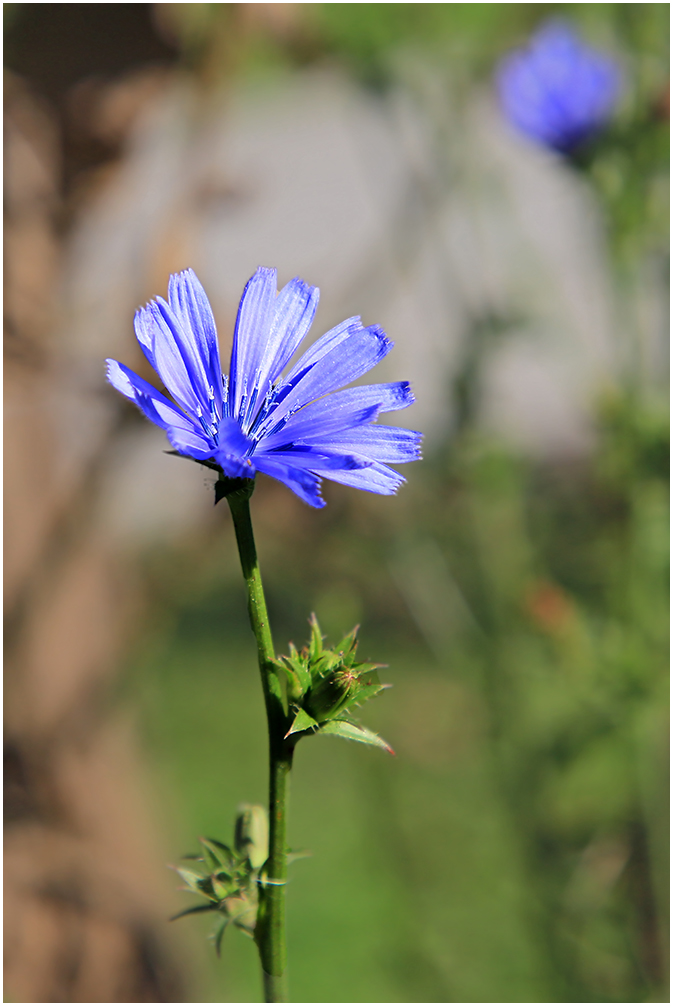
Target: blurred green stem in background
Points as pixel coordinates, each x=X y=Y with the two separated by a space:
x=270 y=928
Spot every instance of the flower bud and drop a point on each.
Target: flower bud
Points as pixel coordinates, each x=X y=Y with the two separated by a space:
x=331 y=693
x=251 y=834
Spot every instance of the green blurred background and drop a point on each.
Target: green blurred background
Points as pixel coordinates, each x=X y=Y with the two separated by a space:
x=516 y=847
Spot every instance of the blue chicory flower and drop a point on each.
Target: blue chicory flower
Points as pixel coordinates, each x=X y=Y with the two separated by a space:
x=559 y=91
x=298 y=428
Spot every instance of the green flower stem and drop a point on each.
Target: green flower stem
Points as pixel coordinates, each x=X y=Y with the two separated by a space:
x=271 y=940
x=270 y=928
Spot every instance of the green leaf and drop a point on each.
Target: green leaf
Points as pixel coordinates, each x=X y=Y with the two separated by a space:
x=193 y=911
x=301 y=722
x=354 y=732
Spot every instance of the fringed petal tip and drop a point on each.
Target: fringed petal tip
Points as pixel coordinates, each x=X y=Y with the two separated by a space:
x=375 y=478
x=406 y=395
x=118 y=379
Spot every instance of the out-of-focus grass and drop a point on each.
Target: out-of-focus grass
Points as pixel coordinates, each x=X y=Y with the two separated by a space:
x=387 y=908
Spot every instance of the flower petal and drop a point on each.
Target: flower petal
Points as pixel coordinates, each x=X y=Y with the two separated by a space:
x=190 y=305
x=305 y=484
x=323 y=345
x=377 y=478
x=388 y=397
x=157 y=338
x=342 y=410
x=352 y=356
x=235 y=467
x=306 y=456
x=145 y=334
x=295 y=309
x=190 y=442
x=306 y=429
x=391 y=444
x=232 y=451
x=253 y=324
x=155 y=406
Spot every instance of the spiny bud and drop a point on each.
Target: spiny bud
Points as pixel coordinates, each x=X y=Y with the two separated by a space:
x=331 y=693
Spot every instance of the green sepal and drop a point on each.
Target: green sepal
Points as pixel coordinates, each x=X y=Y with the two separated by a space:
x=301 y=722
x=354 y=732
x=218 y=933
x=228 y=487
x=197 y=883
x=224 y=486
x=275 y=684
x=367 y=690
x=296 y=672
x=368 y=668
x=211 y=907
x=191 y=879
x=348 y=645
x=217 y=856
x=315 y=642
x=206 y=464
x=222 y=888
x=340 y=688
x=326 y=662
x=245 y=918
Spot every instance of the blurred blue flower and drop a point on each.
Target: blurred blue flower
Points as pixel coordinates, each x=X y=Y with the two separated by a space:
x=559 y=91
x=298 y=428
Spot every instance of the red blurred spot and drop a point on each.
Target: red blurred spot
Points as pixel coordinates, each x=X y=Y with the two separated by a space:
x=662 y=104
x=548 y=606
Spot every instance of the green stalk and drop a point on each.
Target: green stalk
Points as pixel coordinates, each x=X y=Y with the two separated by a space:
x=270 y=928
